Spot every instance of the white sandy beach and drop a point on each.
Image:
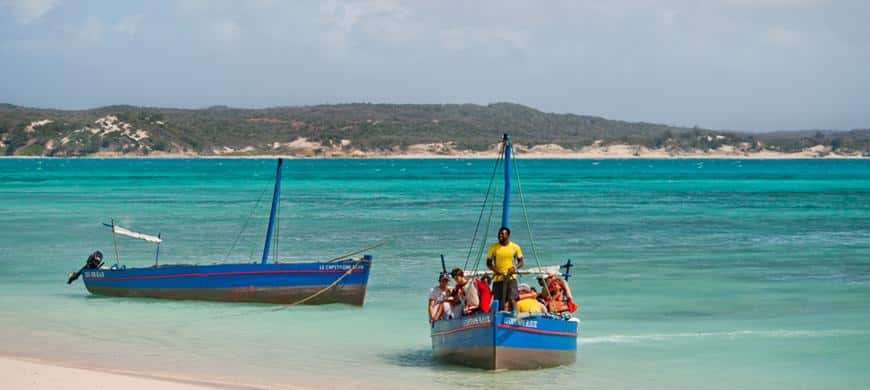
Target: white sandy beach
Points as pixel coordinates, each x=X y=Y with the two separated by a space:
x=590 y=153
x=18 y=373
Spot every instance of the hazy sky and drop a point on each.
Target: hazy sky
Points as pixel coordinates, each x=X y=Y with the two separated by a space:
x=725 y=64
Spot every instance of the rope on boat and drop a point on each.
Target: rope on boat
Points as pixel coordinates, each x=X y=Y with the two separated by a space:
x=245 y=226
x=526 y=215
x=545 y=287
x=356 y=262
x=346 y=255
x=483 y=207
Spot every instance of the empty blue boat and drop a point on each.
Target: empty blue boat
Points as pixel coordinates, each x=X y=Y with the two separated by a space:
x=338 y=281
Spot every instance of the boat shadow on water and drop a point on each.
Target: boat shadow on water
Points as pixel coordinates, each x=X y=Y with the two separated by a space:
x=420 y=358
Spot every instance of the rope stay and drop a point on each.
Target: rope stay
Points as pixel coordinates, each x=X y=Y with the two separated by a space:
x=526 y=215
x=356 y=252
x=482 y=247
x=245 y=226
x=498 y=161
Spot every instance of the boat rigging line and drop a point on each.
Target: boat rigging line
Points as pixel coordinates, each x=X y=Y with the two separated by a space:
x=245 y=225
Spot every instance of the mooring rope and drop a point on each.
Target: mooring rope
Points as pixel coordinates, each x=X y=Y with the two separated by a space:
x=356 y=262
x=346 y=255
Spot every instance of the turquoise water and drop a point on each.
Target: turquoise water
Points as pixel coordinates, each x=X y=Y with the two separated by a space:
x=691 y=273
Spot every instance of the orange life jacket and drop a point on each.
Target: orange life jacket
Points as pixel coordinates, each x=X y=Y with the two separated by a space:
x=558 y=300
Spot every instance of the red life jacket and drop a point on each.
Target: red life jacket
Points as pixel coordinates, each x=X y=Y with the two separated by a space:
x=484 y=294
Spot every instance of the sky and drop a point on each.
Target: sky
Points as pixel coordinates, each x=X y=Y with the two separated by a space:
x=749 y=65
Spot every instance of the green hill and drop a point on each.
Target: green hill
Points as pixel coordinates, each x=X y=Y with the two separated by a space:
x=346 y=129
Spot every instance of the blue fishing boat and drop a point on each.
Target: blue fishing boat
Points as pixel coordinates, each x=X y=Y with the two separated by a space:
x=496 y=339
x=340 y=280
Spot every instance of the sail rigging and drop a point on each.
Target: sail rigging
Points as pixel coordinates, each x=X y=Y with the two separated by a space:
x=129 y=233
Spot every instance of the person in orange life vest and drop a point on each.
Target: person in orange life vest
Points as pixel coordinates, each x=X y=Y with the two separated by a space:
x=500 y=259
x=465 y=292
x=557 y=295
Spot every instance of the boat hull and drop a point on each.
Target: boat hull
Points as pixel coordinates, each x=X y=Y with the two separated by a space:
x=265 y=283
x=495 y=341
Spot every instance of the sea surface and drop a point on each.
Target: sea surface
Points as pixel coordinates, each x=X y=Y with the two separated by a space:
x=690 y=273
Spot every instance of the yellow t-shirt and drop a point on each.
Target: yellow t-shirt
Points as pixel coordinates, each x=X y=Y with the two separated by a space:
x=528 y=305
x=504 y=257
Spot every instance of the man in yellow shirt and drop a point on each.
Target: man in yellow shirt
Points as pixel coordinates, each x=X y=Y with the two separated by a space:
x=500 y=259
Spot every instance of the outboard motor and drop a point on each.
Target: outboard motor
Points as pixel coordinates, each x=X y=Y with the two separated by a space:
x=95 y=261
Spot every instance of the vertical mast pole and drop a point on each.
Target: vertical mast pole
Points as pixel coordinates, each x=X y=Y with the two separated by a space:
x=157 y=255
x=506 y=203
x=275 y=196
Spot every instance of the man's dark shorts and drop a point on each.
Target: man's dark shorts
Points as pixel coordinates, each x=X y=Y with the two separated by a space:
x=502 y=296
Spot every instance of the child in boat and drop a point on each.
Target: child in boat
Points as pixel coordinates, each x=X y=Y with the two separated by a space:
x=528 y=300
x=440 y=299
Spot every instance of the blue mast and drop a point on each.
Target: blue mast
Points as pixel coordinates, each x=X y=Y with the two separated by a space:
x=506 y=203
x=275 y=196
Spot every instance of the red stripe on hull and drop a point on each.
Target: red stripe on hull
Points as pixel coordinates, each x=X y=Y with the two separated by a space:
x=198 y=274
x=464 y=328
x=531 y=330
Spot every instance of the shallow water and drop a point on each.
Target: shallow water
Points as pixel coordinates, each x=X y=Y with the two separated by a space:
x=701 y=273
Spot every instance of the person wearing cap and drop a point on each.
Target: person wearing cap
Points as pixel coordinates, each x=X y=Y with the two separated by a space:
x=528 y=302
x=466 y=292
x=440 y=299
x=500 y=260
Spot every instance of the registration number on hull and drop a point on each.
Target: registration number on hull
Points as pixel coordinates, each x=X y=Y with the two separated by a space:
x=521 y=322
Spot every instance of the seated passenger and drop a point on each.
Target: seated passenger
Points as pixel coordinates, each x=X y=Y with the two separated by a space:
x=557 y=295
x=439 y=299
x=528 y=302
x=466 y=292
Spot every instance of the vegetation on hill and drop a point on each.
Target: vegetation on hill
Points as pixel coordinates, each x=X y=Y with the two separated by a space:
x=374 y=128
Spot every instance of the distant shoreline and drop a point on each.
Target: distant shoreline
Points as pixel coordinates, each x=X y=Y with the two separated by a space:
x=470 y=156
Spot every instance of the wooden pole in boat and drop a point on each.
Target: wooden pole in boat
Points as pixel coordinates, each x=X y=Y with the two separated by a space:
x=275 y=196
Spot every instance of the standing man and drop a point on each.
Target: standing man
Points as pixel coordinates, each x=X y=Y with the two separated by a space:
x=500 y=259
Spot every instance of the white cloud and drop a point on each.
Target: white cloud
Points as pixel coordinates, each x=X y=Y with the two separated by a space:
x=28 y=11
x=782 y=36
x=129 y=24
x=493 y=39
x=774 y=3
x=91 y=31
x=225 y=31
x=383 y=21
